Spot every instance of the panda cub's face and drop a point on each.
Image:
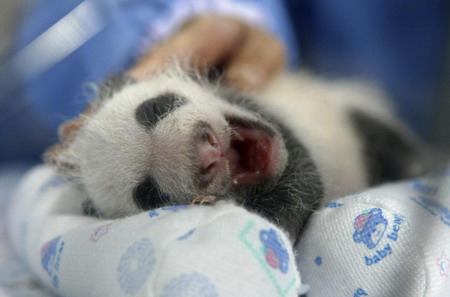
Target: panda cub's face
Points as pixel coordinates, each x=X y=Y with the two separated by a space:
x=148 y=145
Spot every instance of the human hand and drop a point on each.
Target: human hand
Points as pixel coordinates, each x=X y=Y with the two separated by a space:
x=249 y=56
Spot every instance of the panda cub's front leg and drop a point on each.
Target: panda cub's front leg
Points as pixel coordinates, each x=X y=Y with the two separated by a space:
x=205 y=200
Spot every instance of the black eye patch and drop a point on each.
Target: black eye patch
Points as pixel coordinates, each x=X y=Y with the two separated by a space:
x=153 y=110
x=147 y=195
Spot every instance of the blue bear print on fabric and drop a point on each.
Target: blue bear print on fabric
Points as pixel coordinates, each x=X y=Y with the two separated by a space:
x=135 y=265
x=425 y=188
x=186 y=235
x=99 y=232
x=51 y=257
x=434 y=208
x=174 y=208
x=318 y=260
x=275 y=253
x=53 y=182
x=154 y=212
x=360 y=292
x=370 y=227
x=334 y=205
x=23 y=237
x=189 y=285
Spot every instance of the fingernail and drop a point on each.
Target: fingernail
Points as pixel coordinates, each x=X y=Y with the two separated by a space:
x=246 y=78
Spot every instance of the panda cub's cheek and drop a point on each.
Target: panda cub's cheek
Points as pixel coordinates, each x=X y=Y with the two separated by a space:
x=151 y=111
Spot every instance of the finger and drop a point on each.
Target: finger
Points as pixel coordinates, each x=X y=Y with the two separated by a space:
x=259 y=59
x=204 y=41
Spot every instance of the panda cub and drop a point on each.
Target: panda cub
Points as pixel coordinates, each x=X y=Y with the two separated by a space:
x=281 y=152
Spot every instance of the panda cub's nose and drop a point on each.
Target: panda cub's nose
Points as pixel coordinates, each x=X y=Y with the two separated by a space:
x=211 y=155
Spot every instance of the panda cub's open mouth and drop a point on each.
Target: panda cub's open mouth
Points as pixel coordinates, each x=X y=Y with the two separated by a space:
x=253 y=154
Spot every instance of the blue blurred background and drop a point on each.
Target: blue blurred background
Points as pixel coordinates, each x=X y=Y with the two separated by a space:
x=50 y=50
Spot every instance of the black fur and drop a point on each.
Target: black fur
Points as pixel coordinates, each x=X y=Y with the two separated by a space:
x=154 y=109
x=147 y=195
x=299 y=190
x=89 y=208
x=288 y=201
x=389 y=154
x=113 y=85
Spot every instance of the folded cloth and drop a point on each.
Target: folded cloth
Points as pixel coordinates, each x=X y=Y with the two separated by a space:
x=172 y=251
x=393 y=240
x=15 y=278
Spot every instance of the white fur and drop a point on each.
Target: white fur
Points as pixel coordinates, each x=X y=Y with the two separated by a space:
x=317 y=110
x=113 y=153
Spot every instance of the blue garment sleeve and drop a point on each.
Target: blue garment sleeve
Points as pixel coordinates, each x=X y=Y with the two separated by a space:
x=63 y=46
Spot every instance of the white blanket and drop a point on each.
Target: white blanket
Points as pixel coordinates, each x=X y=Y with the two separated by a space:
x=393 y=240
x=172 y=251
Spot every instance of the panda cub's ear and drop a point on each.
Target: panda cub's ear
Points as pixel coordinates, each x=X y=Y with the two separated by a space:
x=390 y=150
x=113 y=85
x=59 y=155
